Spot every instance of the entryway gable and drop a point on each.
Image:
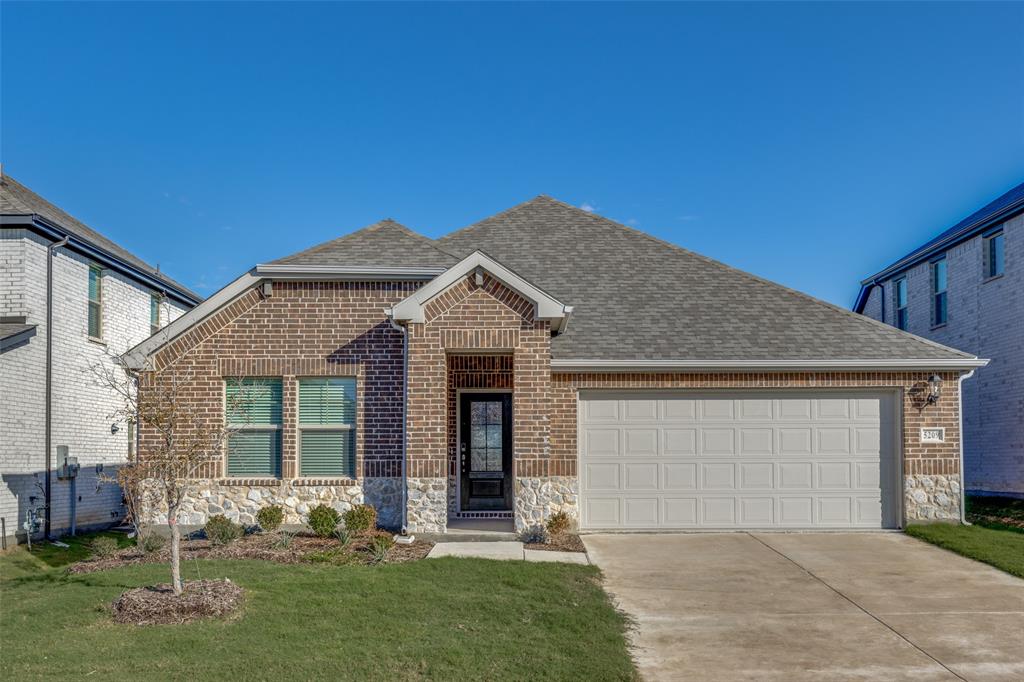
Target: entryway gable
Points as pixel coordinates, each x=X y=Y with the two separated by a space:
x=475 y=272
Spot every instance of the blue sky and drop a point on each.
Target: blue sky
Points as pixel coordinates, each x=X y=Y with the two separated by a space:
x=808 y=143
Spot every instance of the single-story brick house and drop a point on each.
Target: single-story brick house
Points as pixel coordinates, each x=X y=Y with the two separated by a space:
x=549 y=359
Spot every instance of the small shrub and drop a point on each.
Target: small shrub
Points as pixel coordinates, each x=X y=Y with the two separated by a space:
x=560 y=522
x=284 y=539
x=344 y=536
x=220 y=530
x=270 y=518
x=103 y=547
x=379 y=548
x=323 y=520
x=151 y=542
x=360 y=518
x=535 y=535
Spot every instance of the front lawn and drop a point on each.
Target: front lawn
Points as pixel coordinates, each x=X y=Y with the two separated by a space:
x=1002 y=513
x=431 y=619
x=1003 y=549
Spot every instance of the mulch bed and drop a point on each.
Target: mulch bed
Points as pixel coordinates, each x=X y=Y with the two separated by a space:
x=563 y=542
x=276 y=547
x=158 y=605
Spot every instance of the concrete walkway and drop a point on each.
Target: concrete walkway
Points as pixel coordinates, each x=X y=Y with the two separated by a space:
x=503 y=550
x=812 y=606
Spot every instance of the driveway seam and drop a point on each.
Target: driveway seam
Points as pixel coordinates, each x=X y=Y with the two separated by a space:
x=861 y=608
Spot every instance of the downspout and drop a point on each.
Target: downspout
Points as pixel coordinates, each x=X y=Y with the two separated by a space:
x=49 y=381
x=405 y=418
x=960 y=416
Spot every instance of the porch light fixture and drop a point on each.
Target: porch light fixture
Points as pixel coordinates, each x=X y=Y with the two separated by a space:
x=934 y=388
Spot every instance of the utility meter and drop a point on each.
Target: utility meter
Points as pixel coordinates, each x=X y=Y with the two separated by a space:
x=67 y=466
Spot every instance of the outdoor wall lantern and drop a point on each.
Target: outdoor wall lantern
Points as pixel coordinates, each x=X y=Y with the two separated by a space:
x=934 y=388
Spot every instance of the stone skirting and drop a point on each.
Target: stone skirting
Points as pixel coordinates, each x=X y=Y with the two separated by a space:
x=931 y=498
x=240 y=503
x=428 y=505
x=536 y=499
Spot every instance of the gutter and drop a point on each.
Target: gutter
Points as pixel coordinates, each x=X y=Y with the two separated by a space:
x=963 y=477
x=48 y=429
x=405 y=418
x=764 y=365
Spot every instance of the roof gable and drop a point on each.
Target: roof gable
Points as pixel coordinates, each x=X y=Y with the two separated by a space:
x=383 y=244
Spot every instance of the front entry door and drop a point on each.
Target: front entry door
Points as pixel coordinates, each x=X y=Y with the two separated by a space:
x=485 y=451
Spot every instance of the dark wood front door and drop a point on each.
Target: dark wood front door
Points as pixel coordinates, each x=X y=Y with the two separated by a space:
x=485 y=451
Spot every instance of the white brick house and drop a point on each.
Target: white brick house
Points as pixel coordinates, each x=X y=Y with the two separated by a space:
x=128 y=299
x=977 y=267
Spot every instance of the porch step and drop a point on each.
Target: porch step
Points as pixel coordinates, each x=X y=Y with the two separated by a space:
x=477 y=530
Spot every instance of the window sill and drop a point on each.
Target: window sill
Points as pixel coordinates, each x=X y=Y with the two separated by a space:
x=259 y=480
x=98 y=342
x=938 y=326
x=340 y=480
x=993 y=278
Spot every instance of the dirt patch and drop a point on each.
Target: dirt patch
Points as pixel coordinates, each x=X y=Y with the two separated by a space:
x=158 y=605
x=563 y=542
x=282 y=548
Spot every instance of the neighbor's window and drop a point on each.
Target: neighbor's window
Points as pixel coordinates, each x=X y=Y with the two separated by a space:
x=901 y=303
x=939 y=308
x=154 y=313
x=95 y=302
x=327 y=427
x=994 y=254
x=253 y=407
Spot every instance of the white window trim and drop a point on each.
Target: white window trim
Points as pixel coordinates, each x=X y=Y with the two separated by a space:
x=300 y=427
x=249 y=428
x=93 y=267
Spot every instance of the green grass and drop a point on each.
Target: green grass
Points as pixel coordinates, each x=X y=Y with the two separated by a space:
x=1003 y=549
x=435 y=619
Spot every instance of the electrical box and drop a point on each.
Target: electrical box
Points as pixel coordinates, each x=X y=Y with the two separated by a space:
x=67 y=466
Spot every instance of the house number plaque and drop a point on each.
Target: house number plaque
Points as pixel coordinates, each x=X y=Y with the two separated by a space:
x=934 y=434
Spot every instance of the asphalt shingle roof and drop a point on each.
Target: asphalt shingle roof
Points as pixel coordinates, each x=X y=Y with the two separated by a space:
x=383 y=244
x=639 y=298
x=16 y=199
x=9 y=329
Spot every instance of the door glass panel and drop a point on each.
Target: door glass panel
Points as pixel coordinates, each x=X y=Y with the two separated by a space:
x=485 y=435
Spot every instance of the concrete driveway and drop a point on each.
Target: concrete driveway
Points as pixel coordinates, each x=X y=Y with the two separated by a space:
x=812 y=606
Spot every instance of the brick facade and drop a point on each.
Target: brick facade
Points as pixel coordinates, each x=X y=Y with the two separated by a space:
x=986 y=318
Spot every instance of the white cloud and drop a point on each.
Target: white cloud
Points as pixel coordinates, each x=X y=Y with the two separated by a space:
x=633 y=221
x=588 y=207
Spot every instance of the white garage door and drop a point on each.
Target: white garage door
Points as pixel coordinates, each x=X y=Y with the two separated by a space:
x=738 y=460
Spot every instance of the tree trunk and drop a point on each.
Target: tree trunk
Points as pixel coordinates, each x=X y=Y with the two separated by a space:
x=172 y=521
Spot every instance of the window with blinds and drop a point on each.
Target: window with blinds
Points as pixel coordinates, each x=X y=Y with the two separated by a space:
x=253 y=408
x=327 y=427
x=95 y=302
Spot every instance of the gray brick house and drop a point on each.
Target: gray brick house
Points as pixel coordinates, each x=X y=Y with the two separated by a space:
x=104 y=299
x=965 y=288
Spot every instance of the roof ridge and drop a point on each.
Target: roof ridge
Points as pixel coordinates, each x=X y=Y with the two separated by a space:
x=432 y=243
x=498 y=215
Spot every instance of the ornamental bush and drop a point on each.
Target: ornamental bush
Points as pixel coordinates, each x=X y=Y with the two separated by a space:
x=270 y=518
x=361 y=518
x=103 y=547
x=220 y=530
x=151 y=542
x=323 y=520
x=559 y=523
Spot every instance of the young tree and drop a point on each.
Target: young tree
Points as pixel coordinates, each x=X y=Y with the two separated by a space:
x=179 y=437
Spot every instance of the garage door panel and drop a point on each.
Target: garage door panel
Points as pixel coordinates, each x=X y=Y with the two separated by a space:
x=717 y=441
x=641 y=476
x=680 y=441
x=718 y=476
x=756 y=441
x=680 y=512
x=680 y=476
x=601 y=476
x=641 y=512
x=602 y=442
x=640 y=442
x=758 y=460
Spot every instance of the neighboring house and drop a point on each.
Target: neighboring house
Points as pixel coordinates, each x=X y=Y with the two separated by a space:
x=104 y=300
x=549 y=359
x=965 y=288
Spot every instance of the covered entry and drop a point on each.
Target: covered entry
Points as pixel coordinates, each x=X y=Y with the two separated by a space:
x=719 y=460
